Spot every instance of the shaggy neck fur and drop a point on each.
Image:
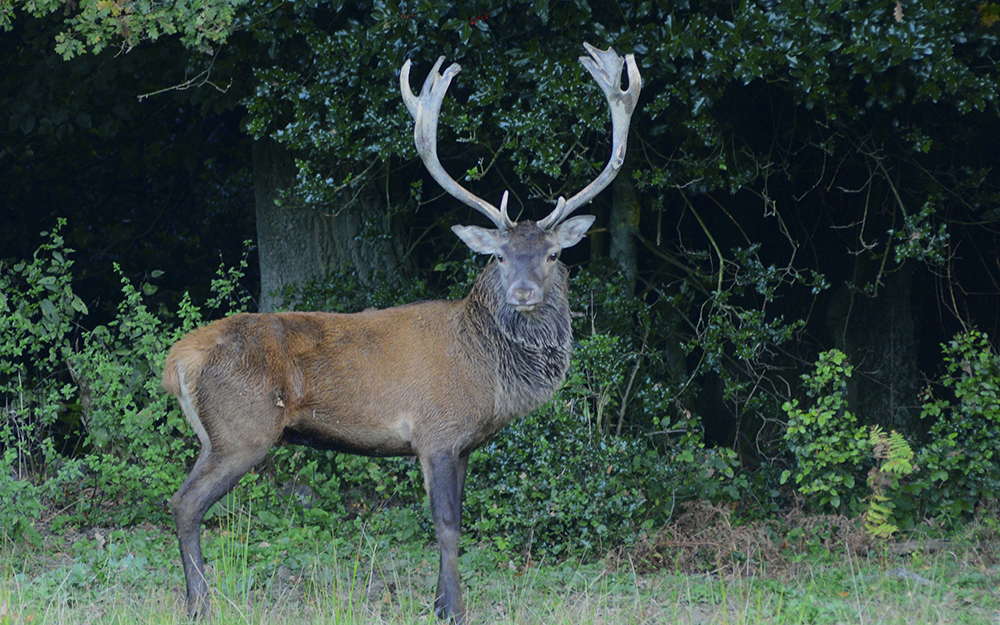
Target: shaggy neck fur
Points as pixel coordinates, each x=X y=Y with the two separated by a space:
x=532 y=350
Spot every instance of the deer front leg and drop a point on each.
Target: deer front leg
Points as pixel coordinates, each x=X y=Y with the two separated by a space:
x=444 y=479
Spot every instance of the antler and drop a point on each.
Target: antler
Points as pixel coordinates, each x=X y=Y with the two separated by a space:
x=425 y=111
x=606 y=68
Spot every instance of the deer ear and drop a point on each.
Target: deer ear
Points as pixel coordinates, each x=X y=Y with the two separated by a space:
x=569 y=232
x=481 y=240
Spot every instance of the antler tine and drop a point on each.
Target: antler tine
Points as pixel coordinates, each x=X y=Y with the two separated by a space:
x=425 y=111
x=606 y=68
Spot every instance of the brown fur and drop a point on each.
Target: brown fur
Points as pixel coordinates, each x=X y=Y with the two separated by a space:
x=366 y=382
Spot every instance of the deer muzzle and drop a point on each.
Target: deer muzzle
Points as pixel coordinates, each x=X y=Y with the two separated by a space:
x=524 y=296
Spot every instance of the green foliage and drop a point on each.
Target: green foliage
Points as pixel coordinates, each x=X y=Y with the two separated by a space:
x=134 y=436
x=884 y=479
x=626 y=359
x=960 y=468
x=342 y=291
x=736 y=315
x=227 y=292
x=600 y=371
x=87 y=425
x=946 y=478
x=827 y=444
x=37 y=315
x=920 y=239
x=549 y=485
x=93 y=25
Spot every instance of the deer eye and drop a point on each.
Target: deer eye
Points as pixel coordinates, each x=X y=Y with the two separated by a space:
x=500 y=257
x=554 y=256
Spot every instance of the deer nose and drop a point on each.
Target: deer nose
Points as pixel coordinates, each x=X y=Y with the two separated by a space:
x=524 y=295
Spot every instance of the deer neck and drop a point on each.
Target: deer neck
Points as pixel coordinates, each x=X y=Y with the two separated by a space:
x=531 y=351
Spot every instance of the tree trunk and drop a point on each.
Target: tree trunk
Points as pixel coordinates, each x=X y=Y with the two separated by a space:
x=624 y=222
x=624 y=225
x=879 y=336
x=297 y=244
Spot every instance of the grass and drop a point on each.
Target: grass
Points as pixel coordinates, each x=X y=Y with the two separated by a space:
x=132 y=576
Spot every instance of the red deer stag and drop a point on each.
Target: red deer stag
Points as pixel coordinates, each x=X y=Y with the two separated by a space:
x=433 y=379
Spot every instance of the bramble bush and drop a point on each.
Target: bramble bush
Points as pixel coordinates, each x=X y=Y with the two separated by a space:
x=87 y=429
x=37 y=308
x=134 y=442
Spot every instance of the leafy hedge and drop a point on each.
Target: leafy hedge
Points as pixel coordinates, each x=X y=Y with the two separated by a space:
x=89 y=436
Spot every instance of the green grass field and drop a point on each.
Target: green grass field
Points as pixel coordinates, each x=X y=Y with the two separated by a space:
x=679 y=576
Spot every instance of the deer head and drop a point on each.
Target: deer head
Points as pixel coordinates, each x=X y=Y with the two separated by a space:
x=526 y=252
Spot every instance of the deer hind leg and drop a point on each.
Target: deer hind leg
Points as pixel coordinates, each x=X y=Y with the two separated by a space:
x=212 y=477
x=215 y=473
x=444 y=479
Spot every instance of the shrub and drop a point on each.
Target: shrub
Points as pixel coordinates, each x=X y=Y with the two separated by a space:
x=558 y=482
x=37 y=314
x=134 y=439
x=947 y=477
x=87 y=426
x=959 y=465
x=550 y=485
x=828 y=446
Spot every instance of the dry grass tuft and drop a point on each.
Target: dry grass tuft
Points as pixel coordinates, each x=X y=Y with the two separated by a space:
x=702 y=539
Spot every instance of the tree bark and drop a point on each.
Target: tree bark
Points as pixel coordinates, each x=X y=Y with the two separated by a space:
x=624 y=225
x=624 y=222
x=296 y=243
